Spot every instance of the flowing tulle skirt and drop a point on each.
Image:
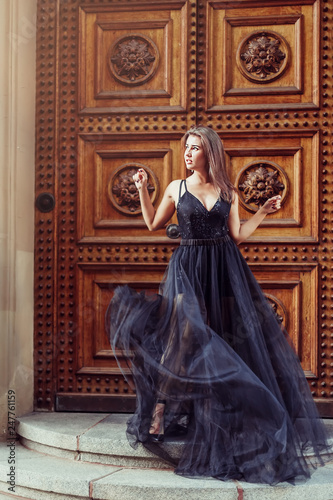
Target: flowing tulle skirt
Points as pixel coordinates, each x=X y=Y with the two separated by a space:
x=209 y=344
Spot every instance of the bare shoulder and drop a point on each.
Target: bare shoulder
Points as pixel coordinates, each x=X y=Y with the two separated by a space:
x=172 y=189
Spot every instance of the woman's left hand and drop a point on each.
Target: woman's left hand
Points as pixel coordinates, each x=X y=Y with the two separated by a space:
x=272 y=205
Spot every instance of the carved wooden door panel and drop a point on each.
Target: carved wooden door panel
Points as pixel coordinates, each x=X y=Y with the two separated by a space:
x=118 y=84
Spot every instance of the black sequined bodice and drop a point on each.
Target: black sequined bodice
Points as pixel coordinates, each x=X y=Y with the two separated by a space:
x=196 y=222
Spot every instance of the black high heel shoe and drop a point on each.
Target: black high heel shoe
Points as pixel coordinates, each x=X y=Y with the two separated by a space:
x=156 y=430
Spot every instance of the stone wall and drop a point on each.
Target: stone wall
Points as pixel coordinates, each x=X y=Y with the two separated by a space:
x=17 y=150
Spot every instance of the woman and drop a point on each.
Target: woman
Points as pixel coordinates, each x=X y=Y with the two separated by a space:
x=209 y=359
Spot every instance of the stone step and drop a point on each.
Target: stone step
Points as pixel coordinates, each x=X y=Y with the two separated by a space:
x=7 y=496
x=78 y=456
x=43 y=477
x=88 y=437
x=93 y=437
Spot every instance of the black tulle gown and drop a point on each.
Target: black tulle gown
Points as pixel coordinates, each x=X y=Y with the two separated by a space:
x=209 y=344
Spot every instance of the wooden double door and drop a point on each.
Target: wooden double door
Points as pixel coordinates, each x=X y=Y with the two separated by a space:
x=118 y=84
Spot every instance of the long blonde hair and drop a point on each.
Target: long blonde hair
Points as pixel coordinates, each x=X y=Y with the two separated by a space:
x=214 y=153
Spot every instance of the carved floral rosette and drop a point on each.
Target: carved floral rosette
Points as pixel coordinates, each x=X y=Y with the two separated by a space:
x=133 y=59
x=263 y=56
x=258 y=181
x=122 y=192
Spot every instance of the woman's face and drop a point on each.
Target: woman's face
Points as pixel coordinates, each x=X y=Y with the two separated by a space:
x=194 y=155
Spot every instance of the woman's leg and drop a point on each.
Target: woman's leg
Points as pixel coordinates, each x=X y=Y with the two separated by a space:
x=157 y=423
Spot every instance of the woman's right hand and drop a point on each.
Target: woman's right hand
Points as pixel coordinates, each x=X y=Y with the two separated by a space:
x=140 y=178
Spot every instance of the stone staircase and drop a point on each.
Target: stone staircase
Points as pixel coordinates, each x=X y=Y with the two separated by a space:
x=77 y=456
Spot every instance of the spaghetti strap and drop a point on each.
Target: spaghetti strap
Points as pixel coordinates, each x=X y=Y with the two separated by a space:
x=181 y=184
x=180 y=188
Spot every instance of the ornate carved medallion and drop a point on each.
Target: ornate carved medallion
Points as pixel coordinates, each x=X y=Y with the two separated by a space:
x=259 y=181
x=133 y=59
x=122 y=192
x=262 y=56
x=278 y=308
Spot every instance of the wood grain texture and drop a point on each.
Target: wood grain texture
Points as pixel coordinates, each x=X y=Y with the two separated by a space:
x=90 y=125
